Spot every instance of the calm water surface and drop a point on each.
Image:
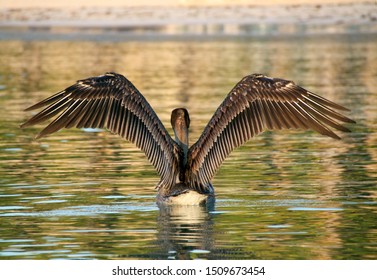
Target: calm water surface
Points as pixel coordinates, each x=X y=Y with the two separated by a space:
x=87 y=194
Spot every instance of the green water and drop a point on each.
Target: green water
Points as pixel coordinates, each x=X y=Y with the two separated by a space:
x=84 y=194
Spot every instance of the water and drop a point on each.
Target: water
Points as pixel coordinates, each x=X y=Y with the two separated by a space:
x=87 y=194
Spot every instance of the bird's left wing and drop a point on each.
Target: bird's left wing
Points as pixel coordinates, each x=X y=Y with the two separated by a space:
x=257 y=103
x=111 y=101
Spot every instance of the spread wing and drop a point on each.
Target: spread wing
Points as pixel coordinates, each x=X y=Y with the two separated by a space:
x=258 y=103
x=112 y=102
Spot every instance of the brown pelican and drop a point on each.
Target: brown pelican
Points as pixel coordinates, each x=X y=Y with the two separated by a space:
x=257 y=103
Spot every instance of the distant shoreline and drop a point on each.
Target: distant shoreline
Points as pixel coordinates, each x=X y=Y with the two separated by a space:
x=195 y=21
x=162 y=3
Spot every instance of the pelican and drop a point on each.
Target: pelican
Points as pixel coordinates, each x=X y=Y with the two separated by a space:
x=257 y=103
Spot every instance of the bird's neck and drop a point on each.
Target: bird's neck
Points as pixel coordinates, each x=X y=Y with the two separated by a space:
x=181 y=137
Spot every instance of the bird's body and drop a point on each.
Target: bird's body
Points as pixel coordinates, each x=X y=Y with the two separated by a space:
x=257 y=103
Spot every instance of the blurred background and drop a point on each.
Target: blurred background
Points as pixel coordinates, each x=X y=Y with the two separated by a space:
x=185 y=18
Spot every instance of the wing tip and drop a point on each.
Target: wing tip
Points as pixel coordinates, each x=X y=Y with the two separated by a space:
x=335 y=136
x=33 y=107
x=38 y=136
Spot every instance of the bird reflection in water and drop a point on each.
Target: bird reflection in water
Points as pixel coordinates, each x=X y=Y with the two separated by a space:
x=186 y=231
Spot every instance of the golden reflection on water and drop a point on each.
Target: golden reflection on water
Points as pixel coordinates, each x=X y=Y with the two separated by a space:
x=285 y=195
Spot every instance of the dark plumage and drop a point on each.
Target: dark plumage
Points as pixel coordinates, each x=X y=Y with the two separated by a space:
x=257 y=103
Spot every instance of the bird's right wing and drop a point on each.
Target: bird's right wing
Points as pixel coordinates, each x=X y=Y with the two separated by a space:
x=111 y=101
